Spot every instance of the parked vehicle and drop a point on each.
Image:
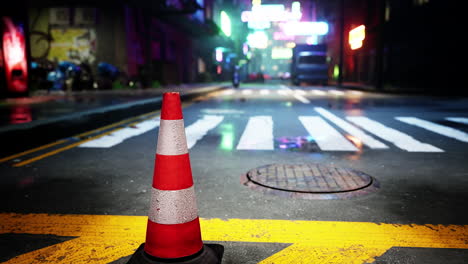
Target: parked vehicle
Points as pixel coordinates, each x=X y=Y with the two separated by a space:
x=309 y=64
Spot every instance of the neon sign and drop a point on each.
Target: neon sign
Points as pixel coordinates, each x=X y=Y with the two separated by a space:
x=272 y=13
x=281 y=36
x=258 y=39
x=278 y=53
x=356 y=36
x=225 y=24
x=258 y=24
x=14 y=52
x=312 y=40
x=219 y=54
x=304 y=28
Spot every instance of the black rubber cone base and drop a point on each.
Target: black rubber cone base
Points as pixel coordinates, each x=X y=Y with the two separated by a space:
x=210 y=254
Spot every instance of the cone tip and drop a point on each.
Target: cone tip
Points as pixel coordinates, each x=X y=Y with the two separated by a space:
x=171 y=106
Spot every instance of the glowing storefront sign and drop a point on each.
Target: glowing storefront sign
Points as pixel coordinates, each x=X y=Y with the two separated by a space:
x=281 y=36
x=304 y=28
x=312 y=40
x=245 y=48
x=14 y=53
x=258 y=24
x=266 y=9
x=290 y=45
x=258 y=39
x=271 y=13
x=225 y=23
x=356 y=36
x=296 y=11
x=296 y=7
x=219 y=54
x=278 y=53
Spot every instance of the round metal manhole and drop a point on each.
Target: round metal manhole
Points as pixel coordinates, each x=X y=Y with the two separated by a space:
x=314 y=181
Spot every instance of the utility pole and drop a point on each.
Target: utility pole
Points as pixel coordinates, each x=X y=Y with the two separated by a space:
x=340 y=73
x=380 y=49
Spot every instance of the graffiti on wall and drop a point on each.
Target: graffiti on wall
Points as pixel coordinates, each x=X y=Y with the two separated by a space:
x=73 y=44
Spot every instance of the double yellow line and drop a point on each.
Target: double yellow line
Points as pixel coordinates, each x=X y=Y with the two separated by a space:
x=97 y=130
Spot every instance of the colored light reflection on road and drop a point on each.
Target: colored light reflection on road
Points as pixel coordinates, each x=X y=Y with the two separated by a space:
x=264 y=92
x=20 y=114
x=356 y=141
x=228 y=92
x=318 y=92
x=336 y=92
x=247 y=92
x=303 y=143
x=227 y=137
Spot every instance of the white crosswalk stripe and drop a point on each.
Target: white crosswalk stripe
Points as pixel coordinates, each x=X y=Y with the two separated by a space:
x=352 y=130
x=326 y=137
x=463 y=120
x=436 y=128
x=298 y=94
x=119 y=136
x=200 y=128
x=398 y=138
x=258 y=134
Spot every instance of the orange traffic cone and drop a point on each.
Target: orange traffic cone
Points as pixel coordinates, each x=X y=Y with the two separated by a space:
x=173 y=232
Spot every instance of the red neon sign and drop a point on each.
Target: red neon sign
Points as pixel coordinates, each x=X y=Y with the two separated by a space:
x=14 y=52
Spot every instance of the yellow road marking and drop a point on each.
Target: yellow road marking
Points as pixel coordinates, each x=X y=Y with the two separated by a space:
x=53 y=152
x=103 y=238
x=77 y=136
x=33 y=150
x=115 y=124
x=306 y=254
x=45 y=155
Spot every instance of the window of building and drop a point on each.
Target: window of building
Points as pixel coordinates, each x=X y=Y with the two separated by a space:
x=420 y=2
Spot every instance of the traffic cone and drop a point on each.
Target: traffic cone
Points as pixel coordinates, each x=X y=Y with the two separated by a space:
x=173 y=232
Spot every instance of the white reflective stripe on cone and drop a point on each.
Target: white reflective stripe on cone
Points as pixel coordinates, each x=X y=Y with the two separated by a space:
x=173 y=207
x=171 y=138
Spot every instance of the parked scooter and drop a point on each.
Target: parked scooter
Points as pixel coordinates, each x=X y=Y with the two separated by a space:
x=61 y=76
x=236 y=77
x=107 y=74
x=68 y=76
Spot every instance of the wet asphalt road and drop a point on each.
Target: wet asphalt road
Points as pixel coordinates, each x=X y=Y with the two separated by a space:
x=414 y=187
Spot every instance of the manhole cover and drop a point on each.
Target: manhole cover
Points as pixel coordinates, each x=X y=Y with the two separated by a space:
x=308 y=179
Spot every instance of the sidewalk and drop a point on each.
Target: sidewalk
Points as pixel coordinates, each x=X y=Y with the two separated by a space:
x=41 y=115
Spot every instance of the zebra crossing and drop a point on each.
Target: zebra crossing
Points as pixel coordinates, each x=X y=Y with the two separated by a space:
x=259 y=132
x=299 y=94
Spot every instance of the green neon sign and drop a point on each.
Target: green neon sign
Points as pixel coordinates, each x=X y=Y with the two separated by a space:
x=225 y=23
